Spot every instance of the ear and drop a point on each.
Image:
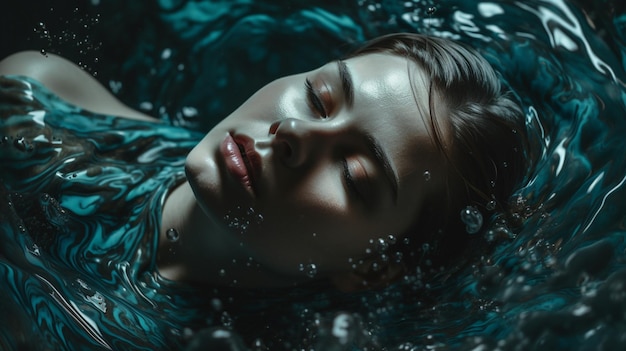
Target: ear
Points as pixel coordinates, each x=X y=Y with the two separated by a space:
x=371 y=274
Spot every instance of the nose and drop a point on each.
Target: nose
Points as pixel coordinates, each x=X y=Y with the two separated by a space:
x=297 y=141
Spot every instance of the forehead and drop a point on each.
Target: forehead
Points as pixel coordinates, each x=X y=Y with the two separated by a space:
x=391 y=100
x=391 y=86
x=380 y=74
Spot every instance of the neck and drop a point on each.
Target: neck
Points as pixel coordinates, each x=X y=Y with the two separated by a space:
x=182 y=215
x=203 y=250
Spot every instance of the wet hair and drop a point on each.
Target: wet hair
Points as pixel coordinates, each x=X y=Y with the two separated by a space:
x=482 y=145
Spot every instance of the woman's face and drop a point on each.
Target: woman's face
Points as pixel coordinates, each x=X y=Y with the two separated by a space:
x=315 y=167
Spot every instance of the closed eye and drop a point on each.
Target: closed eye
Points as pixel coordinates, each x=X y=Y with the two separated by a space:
x=350 y=184
x=354 y=183
x=314 y=100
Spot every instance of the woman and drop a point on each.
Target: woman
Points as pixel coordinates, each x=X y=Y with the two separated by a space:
x=326 y=174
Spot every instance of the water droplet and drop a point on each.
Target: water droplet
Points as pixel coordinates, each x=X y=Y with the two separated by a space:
x=44 y=52
x=222 y=272
x=172 y=235
x=426 y=175
x=391 y=239
x=431 y=10
x=491 y=205
x=472 y=218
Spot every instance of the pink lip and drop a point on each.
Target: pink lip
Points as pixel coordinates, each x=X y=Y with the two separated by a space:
x=241 y=160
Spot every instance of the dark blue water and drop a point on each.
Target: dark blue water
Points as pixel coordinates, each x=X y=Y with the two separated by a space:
x=557 y=282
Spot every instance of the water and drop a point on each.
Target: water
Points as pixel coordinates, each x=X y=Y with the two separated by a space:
x=556 y=282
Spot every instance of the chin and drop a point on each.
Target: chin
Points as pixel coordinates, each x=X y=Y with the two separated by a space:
x=204 y=180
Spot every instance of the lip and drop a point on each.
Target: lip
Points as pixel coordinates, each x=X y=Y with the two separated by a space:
x=242 y=161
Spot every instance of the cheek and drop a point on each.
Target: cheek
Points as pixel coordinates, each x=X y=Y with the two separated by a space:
x=313 y=196
x=276 y=98
x=201 y=168
x=310 y=222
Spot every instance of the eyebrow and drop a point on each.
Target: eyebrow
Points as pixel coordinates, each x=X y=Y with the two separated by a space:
x=346 y=82
x=383 y=161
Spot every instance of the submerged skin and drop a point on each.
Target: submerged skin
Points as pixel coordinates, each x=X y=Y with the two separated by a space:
x=322 y=191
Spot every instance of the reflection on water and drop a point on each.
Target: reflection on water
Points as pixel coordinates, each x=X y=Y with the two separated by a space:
x=558 y=282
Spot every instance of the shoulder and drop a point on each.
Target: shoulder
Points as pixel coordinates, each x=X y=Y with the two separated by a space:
x=69 y=82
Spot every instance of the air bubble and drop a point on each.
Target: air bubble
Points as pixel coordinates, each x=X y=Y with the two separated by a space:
x=242 y=219
x=166 y=54
x=216 y=304
x=172 y=235
x=190 y=112
x=472 y=218
x=426 y=175
x=226 y=319
x=310 y=269
x=490 y=236
x=35 y=250
x=375 y=267
x=491 y=205
x=382 y=245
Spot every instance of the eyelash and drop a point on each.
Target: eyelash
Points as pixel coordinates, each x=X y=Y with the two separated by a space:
x=314 y=99
x=352 y=189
